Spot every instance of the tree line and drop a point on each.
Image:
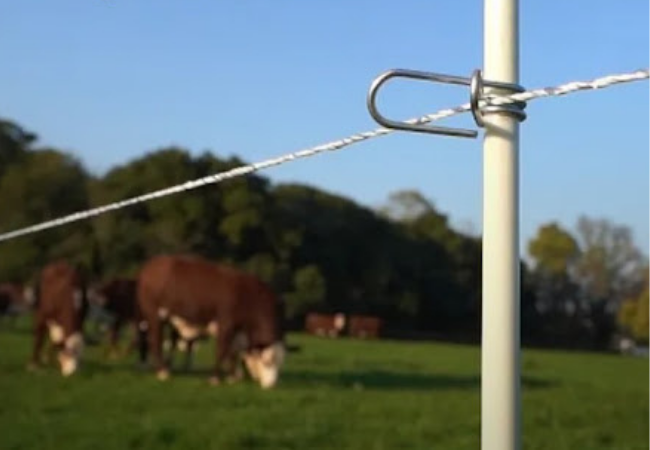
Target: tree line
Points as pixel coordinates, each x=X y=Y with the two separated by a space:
x=403 y=262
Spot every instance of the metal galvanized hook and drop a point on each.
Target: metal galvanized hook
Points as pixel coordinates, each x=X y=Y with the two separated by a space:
x=476 y=84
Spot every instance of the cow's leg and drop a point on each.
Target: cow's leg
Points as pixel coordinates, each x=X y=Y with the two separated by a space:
x=238 y=368
x=239 y=348
x=140 y=337
x=188 y=354
x=174 y=338
x=40 y=328
x=232 y=373
x=50 y=355
x=224 y=353
x=155 y=343
x=52 y=347
x=113 y=338
x=133 y=342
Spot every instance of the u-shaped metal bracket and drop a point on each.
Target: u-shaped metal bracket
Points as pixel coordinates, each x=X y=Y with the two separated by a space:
x=476 y=84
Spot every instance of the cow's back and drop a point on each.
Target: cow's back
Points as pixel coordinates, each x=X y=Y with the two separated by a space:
x=364 y=326
x=317 y=323
x=179 y=285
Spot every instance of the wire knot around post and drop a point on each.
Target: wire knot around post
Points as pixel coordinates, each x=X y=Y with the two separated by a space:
x=477 y=97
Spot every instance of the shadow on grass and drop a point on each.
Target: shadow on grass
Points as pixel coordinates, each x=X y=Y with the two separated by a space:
x=382 y=380
x=130 y=364
x=392 y=380
x=373 y=379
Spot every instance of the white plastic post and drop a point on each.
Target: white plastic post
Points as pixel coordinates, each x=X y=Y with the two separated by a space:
x=500 y=382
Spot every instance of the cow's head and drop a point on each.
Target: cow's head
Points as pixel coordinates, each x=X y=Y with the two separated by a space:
x=70 y=354
x=264 y=364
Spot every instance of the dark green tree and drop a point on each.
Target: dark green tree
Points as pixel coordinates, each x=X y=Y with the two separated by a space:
x=44 y=185
x=15 y=142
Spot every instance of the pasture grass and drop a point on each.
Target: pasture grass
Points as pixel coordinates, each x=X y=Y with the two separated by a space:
x=334 y=394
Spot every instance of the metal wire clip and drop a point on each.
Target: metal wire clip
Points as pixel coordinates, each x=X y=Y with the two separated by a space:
x=476 y=84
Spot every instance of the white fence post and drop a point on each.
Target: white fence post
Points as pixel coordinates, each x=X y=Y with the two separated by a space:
x=500 y=382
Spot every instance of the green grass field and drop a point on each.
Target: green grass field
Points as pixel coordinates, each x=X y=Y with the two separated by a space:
x=334 y=394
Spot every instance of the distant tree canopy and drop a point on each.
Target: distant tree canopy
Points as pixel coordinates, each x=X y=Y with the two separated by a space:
x=14 y=143
x=633 y=316
x=36 y=185
x=321 y=252
x=581 y=282
x=554 y=250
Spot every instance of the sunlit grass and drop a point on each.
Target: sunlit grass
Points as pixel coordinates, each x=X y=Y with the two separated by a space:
x=334 y=394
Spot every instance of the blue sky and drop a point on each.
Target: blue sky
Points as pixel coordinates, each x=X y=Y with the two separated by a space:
x=112 y=79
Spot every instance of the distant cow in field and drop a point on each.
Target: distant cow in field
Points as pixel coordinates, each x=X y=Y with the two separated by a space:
x=61 y=309
x=117 y=299
x=325 y=324
x=198 y=297
x=364 y=326
x=15 y=299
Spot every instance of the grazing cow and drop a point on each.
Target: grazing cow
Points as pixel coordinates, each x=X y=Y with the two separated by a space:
x=117 y=298
x=15 y=299
x=198 y=297
x=61 y=309
x=325 y=325
x=364 y=326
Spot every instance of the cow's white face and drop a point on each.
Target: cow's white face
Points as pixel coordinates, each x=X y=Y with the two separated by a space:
x=264 y=366
x=68 y=364
x=71 y=353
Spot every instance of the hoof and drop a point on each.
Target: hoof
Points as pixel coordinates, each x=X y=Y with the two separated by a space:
x=214 y=381
x=162 y=375
x=32 y=367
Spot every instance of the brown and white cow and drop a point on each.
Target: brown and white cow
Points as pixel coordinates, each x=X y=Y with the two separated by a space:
x=198 y=297
x=324 y=324
x=364 y=326
x=60 y=311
